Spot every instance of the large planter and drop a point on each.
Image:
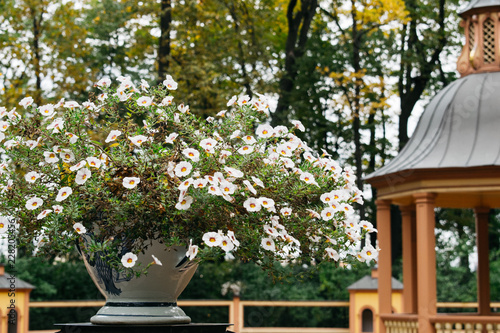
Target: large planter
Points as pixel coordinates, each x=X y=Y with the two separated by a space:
x=146 y=300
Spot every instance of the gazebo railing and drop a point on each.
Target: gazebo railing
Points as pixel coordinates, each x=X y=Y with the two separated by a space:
x=400 y=323
x=466 y=323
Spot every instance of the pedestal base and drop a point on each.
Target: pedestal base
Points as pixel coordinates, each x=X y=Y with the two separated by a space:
x=185 y=328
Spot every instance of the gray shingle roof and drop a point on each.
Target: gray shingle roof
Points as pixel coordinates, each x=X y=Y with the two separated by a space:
x=473 y=4
x=369 y=283
x=20 y=284
x=459 y=128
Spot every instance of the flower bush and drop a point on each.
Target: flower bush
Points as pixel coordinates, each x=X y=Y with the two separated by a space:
x=131 y=165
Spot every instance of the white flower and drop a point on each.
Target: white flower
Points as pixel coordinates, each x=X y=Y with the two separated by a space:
x=264 y=131
x=346 y=208
x=271 y=231
x=57 y=125
x=286 y=211
x=72 y=138
x=82 y=176
x=33 y=203
x=183 y=108
x=232 y=100
x=200 y=183
x=231 y=236
x=144 y=85
x=183 y=169
x=63 y=193
x=249 y=140
x=129 y=259
x=308 y=178
x=94 y=162
x=44 y=213
x=47 y=110
x=243 y=100
x=113 y=135
x=170 y=83
x=79 y=228
x=3 y=125
x=167 y=101
x=185 y=184
x=131 y=182
x=32 y=176
x=192 y=154
x=235 y=134
x=233 y=172
x=250 y=187
x=258 y=181
x=184 y=203
x=365 y=225
x=67 y=155
x=298 y=125
x=192 y=250
x=268 y=244
x=212 y=239
x=208 y=145
x=104 y=82
x=57 y=209
x=32 y=144
x=78 y=165
x=245 y=150
x=156 y=261
x=122 y=94
x=144 y=101
x=4 y=222
x=214 y=189
x=332 y=253
x=226 y=244
x=102 y=97
x=327 y=213
x=171 y=138
x=267 y=203
x=138 y=139
x=25 y=102
x=252 y=205
x=226 y=187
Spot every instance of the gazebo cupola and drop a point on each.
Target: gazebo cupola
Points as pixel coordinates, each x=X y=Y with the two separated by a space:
x=481 y=52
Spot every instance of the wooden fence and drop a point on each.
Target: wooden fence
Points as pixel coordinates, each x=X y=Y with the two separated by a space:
x=237 y=308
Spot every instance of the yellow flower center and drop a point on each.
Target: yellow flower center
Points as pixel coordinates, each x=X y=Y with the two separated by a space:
x=368 y=253
x=132 y=182
x=252 y=205
x=224 y=243
x=1 y=225
x=34 y=204
x=33 y=177
x=212 y=240
x=264 y=132
x=129 y=260
x=184 y=169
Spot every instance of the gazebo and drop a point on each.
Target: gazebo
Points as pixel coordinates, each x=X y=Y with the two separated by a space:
x=451 y=161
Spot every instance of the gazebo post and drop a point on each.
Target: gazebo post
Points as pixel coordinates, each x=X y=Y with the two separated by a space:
x=409 y=238
x=384 y=260
x=483 y=263
x=426 y=261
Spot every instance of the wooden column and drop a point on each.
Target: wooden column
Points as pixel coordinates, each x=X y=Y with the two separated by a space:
x=409 y=237
x=483 y=263
x=426 y=260
x=384 y=260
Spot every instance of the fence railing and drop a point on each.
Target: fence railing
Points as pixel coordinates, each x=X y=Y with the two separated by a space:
x=236 y=309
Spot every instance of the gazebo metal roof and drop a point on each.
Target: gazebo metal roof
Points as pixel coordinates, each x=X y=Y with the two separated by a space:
x=460 y=128
x=479 y=4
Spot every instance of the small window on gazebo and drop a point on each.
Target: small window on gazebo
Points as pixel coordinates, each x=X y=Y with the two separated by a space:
x=367 y=320
x=12 y=321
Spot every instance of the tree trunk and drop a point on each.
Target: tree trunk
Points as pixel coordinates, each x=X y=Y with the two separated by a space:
x=164 y=42
x=37 y=27
x=298 y=29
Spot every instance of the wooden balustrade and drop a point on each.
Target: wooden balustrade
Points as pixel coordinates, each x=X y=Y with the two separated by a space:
x=466 y=323
x=400 y=323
